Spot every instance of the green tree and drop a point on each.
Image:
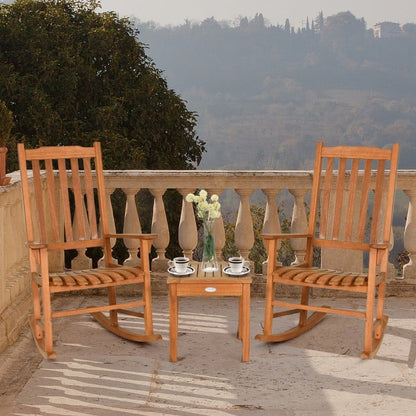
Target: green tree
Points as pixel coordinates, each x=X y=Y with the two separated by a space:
x=287 y=26
x=344 y=31
x=72 y=75
x=6 y=124
x=319 y=21
x=409 y=29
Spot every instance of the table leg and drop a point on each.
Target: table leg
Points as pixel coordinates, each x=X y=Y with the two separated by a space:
x=245 y=321
x=173 y=322
x=240 y=317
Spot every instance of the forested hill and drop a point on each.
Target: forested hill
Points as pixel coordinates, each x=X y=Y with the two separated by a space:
x=266 y=93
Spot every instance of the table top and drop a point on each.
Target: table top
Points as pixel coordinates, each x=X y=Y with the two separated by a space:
x=215 y=276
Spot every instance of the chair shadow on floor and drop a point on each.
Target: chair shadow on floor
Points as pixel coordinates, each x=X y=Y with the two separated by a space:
x=343 y=335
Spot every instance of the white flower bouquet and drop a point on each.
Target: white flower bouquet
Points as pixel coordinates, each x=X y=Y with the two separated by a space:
x=205 y=209
x=208 y=211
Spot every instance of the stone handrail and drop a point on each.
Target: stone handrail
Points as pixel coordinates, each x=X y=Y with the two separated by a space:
x=265 y=185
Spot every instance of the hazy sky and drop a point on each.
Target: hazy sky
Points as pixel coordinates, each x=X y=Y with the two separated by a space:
x=175 y=12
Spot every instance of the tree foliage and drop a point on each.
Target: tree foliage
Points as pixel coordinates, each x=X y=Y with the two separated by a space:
x=71 y=75
x=6 y=123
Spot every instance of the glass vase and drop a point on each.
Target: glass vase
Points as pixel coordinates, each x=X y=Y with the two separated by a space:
x=209 y=258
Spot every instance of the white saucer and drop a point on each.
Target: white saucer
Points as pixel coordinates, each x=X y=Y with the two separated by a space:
x=227 y=270
x=189 y=270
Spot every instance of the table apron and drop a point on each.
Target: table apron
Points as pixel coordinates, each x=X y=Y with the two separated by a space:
x=207 y=289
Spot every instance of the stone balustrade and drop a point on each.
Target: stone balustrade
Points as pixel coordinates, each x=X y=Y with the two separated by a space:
x=243 y=183
x=262 y=187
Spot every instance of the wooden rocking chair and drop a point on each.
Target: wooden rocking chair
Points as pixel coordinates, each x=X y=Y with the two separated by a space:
x=352 y=186
x=63 y=178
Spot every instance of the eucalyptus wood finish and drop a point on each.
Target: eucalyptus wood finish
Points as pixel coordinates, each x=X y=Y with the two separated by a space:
x=69 y=194
x=210 y=284
x=351 y=208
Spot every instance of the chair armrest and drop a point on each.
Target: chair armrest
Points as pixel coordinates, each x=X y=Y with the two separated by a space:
x=381 y=246
x=136 y=236
x=380 y=251
x=36 y=246
x=283 y=236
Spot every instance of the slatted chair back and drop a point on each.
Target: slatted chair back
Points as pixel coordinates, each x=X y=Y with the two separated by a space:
x=352 y=202
x=66 y=213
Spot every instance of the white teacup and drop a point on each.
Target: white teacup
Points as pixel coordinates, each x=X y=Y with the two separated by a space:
x=180 y=264
x=236 y=264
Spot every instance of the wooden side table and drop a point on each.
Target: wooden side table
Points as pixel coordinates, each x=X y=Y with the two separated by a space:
x=210 y=284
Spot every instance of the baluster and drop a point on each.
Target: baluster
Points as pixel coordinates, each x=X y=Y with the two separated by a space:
x=244 y=233
x=218 y=228
x=187 y=231
x=409 y=269
x=391 y=271
x=81 y=261
x=271 y=223
x=161 y=228
x=111 y=224
x=131 y=226
x=299 y=224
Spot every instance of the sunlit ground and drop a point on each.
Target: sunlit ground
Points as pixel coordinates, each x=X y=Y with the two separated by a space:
x=320 y=373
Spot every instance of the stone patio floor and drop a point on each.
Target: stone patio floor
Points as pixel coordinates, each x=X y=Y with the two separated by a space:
x=319 y=373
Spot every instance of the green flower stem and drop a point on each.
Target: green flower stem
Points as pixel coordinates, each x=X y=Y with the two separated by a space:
x=209 y=247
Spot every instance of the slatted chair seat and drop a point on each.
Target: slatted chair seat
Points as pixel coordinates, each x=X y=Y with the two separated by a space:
x=95 y=278
x=351 y=209
x=65 y=209
x=322 y=278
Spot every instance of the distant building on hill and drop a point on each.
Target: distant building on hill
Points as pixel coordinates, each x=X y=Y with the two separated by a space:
x=387 y=30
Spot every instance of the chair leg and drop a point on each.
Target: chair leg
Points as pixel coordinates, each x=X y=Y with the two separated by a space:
x=47 y=322
x=374 y=331
x=303 y=314
x=35 y=319
x=240 y=319
x=42 y=333
x=112 y=301
x=148 y=315
x=380 y=310
x=268 y=308
x=36 y=301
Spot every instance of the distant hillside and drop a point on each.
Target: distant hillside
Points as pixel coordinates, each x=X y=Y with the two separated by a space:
x=266 y=94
